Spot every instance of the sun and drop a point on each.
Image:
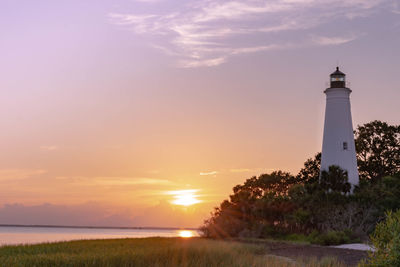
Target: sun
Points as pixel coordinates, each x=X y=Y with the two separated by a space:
x=185 y=197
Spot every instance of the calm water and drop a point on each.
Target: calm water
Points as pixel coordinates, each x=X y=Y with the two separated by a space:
x=31 y=235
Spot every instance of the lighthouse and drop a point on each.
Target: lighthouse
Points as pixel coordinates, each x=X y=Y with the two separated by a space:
x=338 y=146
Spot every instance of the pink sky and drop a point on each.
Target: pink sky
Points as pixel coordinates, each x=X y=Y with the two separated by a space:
x=106 y=106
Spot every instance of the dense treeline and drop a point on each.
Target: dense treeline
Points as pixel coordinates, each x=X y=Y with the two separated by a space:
x=280 y=203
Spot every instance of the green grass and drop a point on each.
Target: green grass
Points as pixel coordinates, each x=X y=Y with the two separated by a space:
x=146 y=252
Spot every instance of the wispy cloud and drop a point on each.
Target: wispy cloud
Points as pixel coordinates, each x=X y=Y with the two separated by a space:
x=209 y=173
x=207 y=33
x=115 y=181
x=19 y=174
x=130 y=181
x=238 y=170
x=257 y=170
x=325 y=40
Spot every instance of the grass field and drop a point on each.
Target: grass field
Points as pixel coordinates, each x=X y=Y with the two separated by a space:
x=147 y=252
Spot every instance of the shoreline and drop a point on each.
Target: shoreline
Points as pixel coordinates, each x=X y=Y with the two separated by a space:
x=14 y=235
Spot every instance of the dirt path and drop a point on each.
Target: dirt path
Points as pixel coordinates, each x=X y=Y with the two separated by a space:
x=348 y=256
x=294 y=251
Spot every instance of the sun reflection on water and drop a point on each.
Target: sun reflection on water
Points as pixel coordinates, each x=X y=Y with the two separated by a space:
x=185 y=234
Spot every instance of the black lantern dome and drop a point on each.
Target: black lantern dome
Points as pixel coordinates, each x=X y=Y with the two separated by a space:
x=338 y=79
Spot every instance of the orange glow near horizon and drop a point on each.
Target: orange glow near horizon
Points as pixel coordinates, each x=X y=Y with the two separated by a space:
x=184 y=197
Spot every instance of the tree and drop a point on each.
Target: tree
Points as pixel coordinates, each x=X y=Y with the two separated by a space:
x=259 y=203
x=378 y=150
x=386 y=240
x=335 y=180
x=311 y=170
x=326 y=200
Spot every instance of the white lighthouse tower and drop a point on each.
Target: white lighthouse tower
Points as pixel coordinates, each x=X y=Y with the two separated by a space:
x=338 y=146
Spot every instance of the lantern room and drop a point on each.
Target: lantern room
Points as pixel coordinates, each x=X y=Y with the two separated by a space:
x=338 y=79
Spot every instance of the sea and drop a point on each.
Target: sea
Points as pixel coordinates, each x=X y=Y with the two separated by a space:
x=15 y=235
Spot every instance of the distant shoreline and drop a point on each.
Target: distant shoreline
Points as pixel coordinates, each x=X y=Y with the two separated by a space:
x=99 y=227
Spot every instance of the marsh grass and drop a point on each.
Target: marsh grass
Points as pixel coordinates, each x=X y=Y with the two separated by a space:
x=145 y=252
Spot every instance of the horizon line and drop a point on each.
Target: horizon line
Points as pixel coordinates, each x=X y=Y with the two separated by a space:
x=99 y=227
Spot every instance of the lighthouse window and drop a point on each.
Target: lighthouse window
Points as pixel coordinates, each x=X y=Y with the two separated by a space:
x=345 y=147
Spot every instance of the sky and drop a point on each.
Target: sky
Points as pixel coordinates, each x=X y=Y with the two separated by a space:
x=117 y=112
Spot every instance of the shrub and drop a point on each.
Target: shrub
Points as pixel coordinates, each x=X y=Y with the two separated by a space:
x=386 y=240
x=332 y=238
x=296 y=237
